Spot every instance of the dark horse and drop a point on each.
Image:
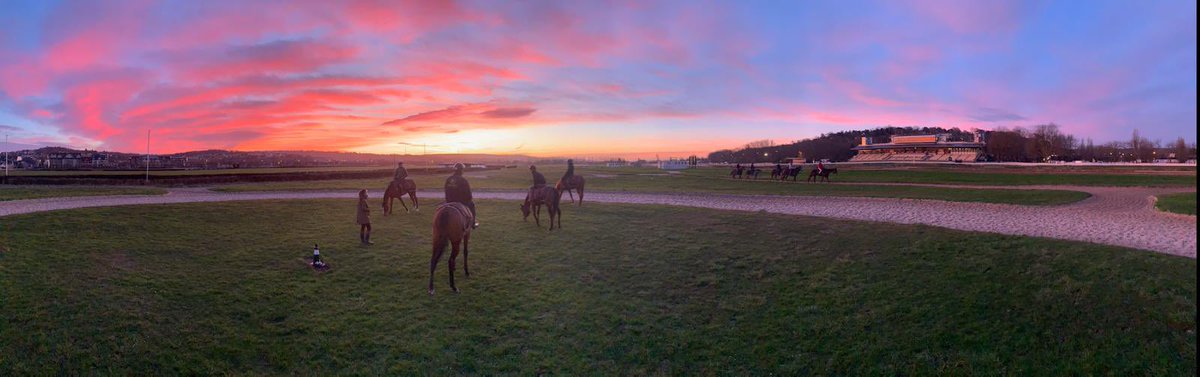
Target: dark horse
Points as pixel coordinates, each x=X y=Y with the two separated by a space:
x=752 y=173
x=451 y=225
x=736 y=172
x=812 y=175
x=576 y=183
x=543 y=195
x=793 y=172
x=776 y=172
x=395 y=191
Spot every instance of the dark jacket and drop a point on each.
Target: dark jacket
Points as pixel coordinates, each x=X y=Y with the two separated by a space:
x=401 y=173
x=457 y=189
x=538 y=179
x=570 y=170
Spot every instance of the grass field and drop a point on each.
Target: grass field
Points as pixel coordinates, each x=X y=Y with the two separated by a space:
x=1184 y=203
x=34 y=192
x=222 y=288
x=693 y=181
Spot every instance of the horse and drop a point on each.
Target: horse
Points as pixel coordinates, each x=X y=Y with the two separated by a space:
x=753 y=173
x=812 y=175
x=452 y=224
x=395 y=191
x=539 y=196
x=776 y=172
x=576 y=183
x=793 y=172
x=736 y=173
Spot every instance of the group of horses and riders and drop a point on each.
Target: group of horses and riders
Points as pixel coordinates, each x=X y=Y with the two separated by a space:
x=783 y=173
x=454 y=219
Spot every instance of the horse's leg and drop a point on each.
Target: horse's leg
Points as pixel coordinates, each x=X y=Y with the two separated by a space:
x=466 y=246
x=581 y=196
x=571 y=194
x=439 y=246
x=413 y=195
x=537 y=214
x=400 y=197
x=454 y=244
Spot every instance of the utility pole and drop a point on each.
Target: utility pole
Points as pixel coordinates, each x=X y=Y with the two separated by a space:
x=6 y=163
x=147 y=155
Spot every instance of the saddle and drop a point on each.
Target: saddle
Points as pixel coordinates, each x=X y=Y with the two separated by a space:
x=462 y=210
x=405 y=185
x=543 y=194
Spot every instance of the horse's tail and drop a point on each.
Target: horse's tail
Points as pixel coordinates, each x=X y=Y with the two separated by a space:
x=556 y=199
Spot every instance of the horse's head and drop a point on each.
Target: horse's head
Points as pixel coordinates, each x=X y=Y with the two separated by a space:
x=525 y=210
x=833 y=171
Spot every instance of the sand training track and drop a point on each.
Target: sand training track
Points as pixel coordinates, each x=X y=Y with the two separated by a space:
x=1122 y=216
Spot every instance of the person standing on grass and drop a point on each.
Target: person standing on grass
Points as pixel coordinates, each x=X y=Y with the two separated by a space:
x=364 y=219
x=458 y=190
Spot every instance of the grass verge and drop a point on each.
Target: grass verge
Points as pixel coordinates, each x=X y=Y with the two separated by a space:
x=1183 y=203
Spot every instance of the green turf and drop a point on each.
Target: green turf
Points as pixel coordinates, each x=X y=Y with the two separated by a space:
x=1184 y=203
x=696 y=181
x=8 y=192
x=221 y=288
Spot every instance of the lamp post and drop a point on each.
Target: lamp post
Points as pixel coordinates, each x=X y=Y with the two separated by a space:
x=147 y=156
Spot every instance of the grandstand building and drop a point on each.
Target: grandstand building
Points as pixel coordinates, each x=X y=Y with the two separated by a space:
x=919 y=148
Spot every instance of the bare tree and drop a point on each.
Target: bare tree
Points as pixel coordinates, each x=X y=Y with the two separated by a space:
x=1181 y=150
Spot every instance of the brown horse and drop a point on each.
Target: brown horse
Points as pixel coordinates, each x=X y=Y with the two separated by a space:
x=451 y=225
x=812 y=174
x=576 y=183
x=395 y=191
x=539 y=196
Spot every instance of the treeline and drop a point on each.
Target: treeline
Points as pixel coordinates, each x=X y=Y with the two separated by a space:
x=1046 y=142
x=1040 y=143
x=833 y=146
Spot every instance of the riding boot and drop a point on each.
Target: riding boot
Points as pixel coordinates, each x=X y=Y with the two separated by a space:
x=367 y=239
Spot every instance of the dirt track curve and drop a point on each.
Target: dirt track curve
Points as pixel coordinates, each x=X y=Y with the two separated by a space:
x=1121 y=216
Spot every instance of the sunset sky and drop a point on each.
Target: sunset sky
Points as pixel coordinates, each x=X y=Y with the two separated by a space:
x=581 y=78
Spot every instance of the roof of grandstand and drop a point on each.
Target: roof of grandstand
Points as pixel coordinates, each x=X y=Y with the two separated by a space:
x=948 y=144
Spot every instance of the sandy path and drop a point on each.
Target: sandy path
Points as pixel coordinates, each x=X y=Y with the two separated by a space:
x=1122 y=216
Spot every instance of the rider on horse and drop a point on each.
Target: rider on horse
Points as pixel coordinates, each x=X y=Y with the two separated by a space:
x=539 y=180
x=459 y=191
x=399 y=176
x=570 y=171
x=820 y=167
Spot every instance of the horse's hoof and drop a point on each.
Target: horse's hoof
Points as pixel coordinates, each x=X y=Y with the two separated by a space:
x=431 y=292
x=456 y=291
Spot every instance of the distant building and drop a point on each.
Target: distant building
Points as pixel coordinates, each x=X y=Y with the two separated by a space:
x=673 y=164
x=919 y=148
x=69 y=160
